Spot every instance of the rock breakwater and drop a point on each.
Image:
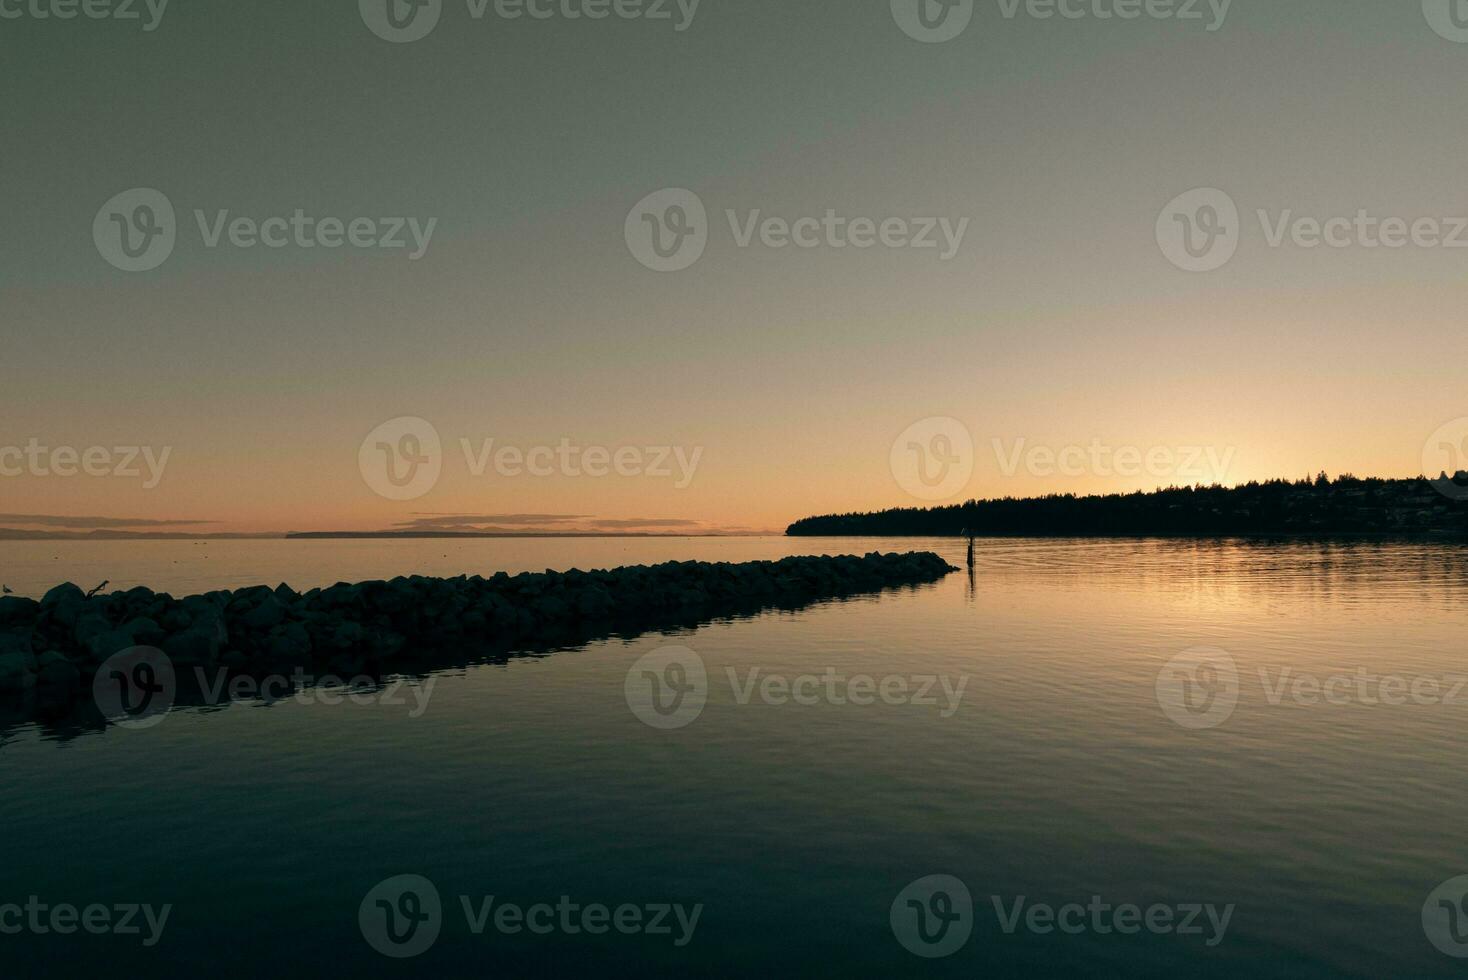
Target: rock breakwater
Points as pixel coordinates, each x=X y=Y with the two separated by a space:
x=55 y=645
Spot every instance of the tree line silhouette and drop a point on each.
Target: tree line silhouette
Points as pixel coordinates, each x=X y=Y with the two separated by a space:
x=1318 y=505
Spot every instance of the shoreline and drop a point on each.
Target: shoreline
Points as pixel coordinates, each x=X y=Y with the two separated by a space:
x=1347 y=505
x=1262 y=536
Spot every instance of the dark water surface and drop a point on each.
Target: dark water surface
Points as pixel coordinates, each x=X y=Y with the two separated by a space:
x=1056 y=763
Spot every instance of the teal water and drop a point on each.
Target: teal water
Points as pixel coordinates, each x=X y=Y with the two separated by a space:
x=1059 y=774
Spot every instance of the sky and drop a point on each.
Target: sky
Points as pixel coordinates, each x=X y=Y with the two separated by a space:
x=498 y=344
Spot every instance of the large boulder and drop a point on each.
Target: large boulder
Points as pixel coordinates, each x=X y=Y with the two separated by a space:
x=18 y=611
x=17 y=672
x=55 y=672
x=176 y=619
x=15 y=640
x=66 y=614
x=102 y=645
x=348 y=636
x=64 y=592
x=88 y=625
x=594 y=602
x=139 y=602
x=390 y=598
x=289 y=644
x=144 y=632
x=212 y=623
x=268 y=614
x=95 y=635
x=193 y=647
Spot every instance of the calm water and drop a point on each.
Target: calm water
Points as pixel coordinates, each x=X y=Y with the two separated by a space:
x=1057 y=777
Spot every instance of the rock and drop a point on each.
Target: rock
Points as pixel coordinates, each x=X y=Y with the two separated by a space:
x=550 y=608
x=17 y=662
x=16 y=672
x=193 y=647
x=594 y=603
x=349 y=636
x=55 y=671
x=268 y=614
x=16 y=641
x=391 y=598
x=89 y=624
x=103 y=645
x=66 y=613
x=505 y=618
x=144 y=632
x=139 y=602
x=62 y=593
x=383 y=644
x=212 y=623
x=18 y=611
x=339 y=596
x=177 y=619
x=201 y=605
x=289 y=644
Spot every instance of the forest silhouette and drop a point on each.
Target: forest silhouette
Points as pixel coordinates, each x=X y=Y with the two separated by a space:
x=1346 y=505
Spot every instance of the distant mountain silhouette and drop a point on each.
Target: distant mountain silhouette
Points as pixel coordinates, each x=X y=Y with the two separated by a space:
x=30 y=534
x=1345 y=505
x=504 y=533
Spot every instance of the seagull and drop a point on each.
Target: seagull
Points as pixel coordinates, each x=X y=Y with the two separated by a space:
x=5 y=590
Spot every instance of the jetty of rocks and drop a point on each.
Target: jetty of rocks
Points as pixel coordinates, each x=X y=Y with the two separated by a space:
x=55 y=645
